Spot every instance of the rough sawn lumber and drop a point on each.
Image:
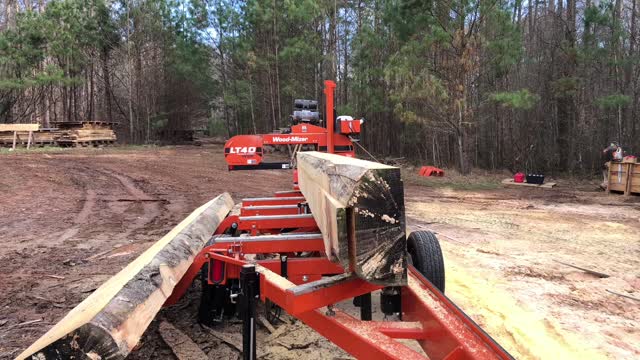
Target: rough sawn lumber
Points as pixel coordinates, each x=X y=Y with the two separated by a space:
x=359 y=208
x=110 y=322
x=19 y=127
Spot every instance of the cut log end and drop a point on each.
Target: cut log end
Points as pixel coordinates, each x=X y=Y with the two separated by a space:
x=359 y=207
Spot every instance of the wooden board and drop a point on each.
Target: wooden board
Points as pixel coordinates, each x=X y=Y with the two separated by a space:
x=110 y=322
x=19 y=127
x=634 y=179
x=510 y=181
x=618 y=177
x=359 y=208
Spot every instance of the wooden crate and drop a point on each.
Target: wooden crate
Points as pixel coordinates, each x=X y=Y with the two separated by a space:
x=618 y=177
x=633 y=184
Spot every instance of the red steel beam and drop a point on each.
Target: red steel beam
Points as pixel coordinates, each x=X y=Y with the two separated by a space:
x=450 y=333
x=329 y=89
x=271 y=222
x=301 y=301
x=253 y=244
x=273 y=201
x=304 y=266
x=288 y=193
x=269 y=210
x=360 y=338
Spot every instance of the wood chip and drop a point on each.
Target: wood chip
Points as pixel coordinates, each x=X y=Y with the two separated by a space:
x=266 y=324
x=182 y=346
x=276 y=334
x=295 y=346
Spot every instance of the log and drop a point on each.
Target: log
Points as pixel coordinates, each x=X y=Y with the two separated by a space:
x=359 y=208
x=109 y=323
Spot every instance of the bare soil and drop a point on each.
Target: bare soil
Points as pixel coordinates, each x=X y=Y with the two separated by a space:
x=69 y=220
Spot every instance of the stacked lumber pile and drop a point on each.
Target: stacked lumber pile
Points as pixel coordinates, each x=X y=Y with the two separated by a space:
x=85 y=133
x=17 y=134
x=45 y=136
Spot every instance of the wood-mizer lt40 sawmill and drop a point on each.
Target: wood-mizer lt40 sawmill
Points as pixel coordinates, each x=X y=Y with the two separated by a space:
x=338 y=235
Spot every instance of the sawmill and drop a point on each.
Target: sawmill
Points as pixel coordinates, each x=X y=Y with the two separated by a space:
x=338 y=234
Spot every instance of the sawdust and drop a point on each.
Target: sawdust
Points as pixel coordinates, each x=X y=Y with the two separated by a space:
x=503 y=270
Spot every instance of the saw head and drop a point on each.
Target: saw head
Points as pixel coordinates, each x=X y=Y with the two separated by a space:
x=243 y=150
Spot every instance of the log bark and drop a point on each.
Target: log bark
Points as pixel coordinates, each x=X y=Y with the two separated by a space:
x=110 y=322
x=359 y=208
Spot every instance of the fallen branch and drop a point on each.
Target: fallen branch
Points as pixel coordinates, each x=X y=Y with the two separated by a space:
x=182 y=346
x=623 y=295
x=38 y=297
x=55 y=277
x=140 y=200
x=102 y=253
x=594 y=273
x=24 y=323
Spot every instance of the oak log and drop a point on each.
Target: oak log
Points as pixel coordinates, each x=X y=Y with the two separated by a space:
x=359 y=208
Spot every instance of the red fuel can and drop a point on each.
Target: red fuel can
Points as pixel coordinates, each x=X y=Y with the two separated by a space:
x=518 y=177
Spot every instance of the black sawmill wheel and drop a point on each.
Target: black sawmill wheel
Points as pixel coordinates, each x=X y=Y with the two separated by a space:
x=426 y=256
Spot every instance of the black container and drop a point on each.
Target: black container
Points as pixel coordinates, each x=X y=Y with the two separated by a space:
x=535 y=179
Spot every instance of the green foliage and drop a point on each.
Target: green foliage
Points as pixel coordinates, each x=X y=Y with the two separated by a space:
x=613 y=101
x=565 y=87
x=521 y=99
x=66 y=31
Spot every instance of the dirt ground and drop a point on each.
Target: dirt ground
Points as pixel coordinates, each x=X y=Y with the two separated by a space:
x=69 y=220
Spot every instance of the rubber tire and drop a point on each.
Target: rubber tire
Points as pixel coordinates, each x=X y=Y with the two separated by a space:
x=426 y=256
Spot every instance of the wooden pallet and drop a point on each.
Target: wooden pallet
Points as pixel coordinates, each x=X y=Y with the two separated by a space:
x=633 y=182
x=510 y=181
x=618 y=177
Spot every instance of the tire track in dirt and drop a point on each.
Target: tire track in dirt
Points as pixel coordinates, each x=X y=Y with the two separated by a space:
x=81 y=217
x=151 y=209
x=91 y=179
